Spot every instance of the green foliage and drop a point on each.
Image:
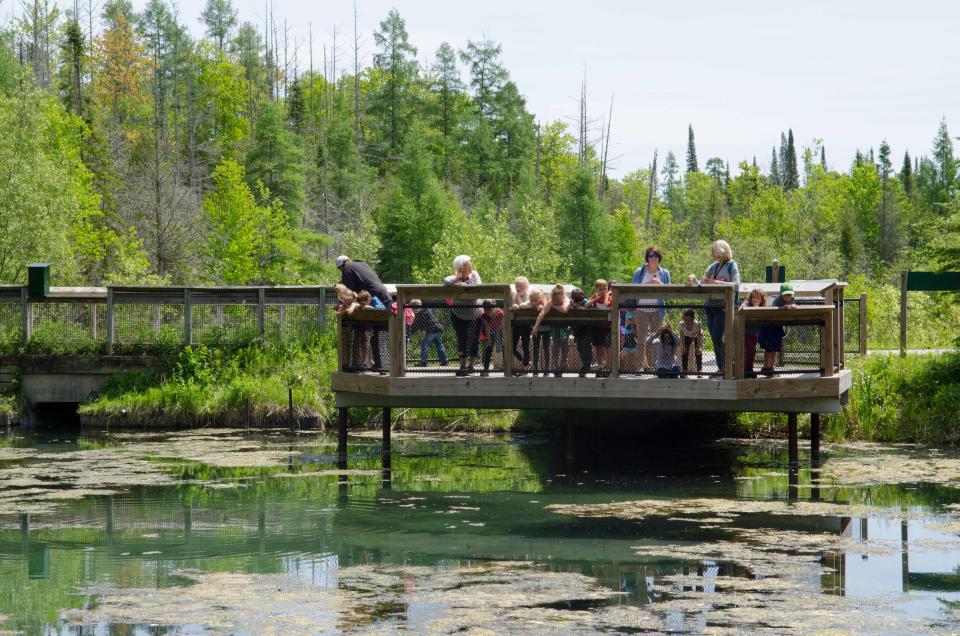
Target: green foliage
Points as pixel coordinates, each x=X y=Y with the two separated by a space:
x=245 y=242
x=275 y=161
x=911 y=399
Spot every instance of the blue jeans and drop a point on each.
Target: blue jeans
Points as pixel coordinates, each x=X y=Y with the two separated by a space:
x=716 y=321
x=437 y=339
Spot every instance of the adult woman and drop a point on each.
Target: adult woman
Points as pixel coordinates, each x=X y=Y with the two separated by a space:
x=650 y=312
x=723 y=269
x=465 y=316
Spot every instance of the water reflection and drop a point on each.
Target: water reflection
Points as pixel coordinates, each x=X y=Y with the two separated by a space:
x=450 y=504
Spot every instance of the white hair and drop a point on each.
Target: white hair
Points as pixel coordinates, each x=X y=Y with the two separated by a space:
x=722 y=249
x=521 y=280
x=460 y=261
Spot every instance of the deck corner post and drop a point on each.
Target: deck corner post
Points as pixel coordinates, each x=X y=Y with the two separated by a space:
x=615 y=333
x=397 y=337
x=729 y=351
x=792 y=450
x=507 y=332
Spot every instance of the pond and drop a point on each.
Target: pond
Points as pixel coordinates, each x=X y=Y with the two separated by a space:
x=232 y=532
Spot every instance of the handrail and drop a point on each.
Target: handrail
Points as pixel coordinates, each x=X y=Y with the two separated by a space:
x=801 y=315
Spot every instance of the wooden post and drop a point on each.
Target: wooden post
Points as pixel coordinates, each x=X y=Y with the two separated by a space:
x=507 y=332
x=792 y=452
x=187 y=317
x=323 y=309
x=615 y=334
x=775 y=271
x=740 y=346
x=385 y=425
x=111 y=326
x=827 y=344
x=262 y=312
x=863 y=324
x=840 y=332
x=904 y=279
x=27 y=317
x=341 y=345
x=814 y=435
x=343 y=415
x=397 y=337
x=94 y=323
x=281 y=320
x=728 y=334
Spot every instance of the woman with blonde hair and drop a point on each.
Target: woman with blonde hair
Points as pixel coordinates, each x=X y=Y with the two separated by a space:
x=723 y=269
x=465 y=315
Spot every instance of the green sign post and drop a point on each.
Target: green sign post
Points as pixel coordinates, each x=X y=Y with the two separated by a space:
x=922 y=281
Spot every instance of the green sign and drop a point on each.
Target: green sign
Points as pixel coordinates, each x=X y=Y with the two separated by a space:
x=933 y=281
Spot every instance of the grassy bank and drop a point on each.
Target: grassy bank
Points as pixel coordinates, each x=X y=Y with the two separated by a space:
x=248 y=386
x=893 y=399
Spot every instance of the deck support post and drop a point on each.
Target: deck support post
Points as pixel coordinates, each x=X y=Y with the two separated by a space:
x=792 y=452
x=343 y=418
x=815 y=438
x=385 y=451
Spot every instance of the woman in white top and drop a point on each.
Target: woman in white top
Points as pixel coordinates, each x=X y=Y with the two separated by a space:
x=723 y=269
x=650 y=312
x=464 y=316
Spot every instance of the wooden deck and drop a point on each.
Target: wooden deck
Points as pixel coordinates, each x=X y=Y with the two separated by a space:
x=799 y=393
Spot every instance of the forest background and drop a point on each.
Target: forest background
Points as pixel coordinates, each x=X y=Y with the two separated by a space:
x=135 y=153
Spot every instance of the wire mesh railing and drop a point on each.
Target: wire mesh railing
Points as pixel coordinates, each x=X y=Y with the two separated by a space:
x=157 y=320
x=365 y=341
x=779 y=341
x=854 y=325
x=674 y=331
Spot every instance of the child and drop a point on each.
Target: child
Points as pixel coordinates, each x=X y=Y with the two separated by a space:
x=600 y=335
x=752 y=333
x=664 y=343
x=541 y=338
x=582 y=334
x=691 y=334
x=521 y=333
x=628 y=335
x=346 y=299
x=491 y=333
x=771 y=338
x=426 y=321
x=558 y=334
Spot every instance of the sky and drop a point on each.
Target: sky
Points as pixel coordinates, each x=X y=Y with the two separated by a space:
x=849 y=72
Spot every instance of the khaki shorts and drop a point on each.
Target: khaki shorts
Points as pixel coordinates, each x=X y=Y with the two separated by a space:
x=647 y=322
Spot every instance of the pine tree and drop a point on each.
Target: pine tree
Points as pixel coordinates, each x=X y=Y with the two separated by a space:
x=775 y=177
x=276 y=161
x=906 y=174
x=395 y=60
x=791 y=176
x=447 y=85
x=823 y=158
x=692 y=165
x=583 y=224
x=945 y=165
x=670 y=171
x=220 y=18
x=72 y=72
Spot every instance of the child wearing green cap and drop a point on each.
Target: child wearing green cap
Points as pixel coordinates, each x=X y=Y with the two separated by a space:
x=771 y=338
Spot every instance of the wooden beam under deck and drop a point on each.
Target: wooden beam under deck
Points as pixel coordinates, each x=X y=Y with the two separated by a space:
x=797 y=393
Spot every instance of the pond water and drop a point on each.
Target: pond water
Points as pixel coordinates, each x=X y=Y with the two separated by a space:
x=229 y=532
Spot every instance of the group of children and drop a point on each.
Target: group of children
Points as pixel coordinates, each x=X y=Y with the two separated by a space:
x=666 y=352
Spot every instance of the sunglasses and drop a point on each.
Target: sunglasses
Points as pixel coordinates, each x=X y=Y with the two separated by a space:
x=653 y=255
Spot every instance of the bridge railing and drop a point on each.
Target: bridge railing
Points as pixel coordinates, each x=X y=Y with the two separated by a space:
x=143 y=320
